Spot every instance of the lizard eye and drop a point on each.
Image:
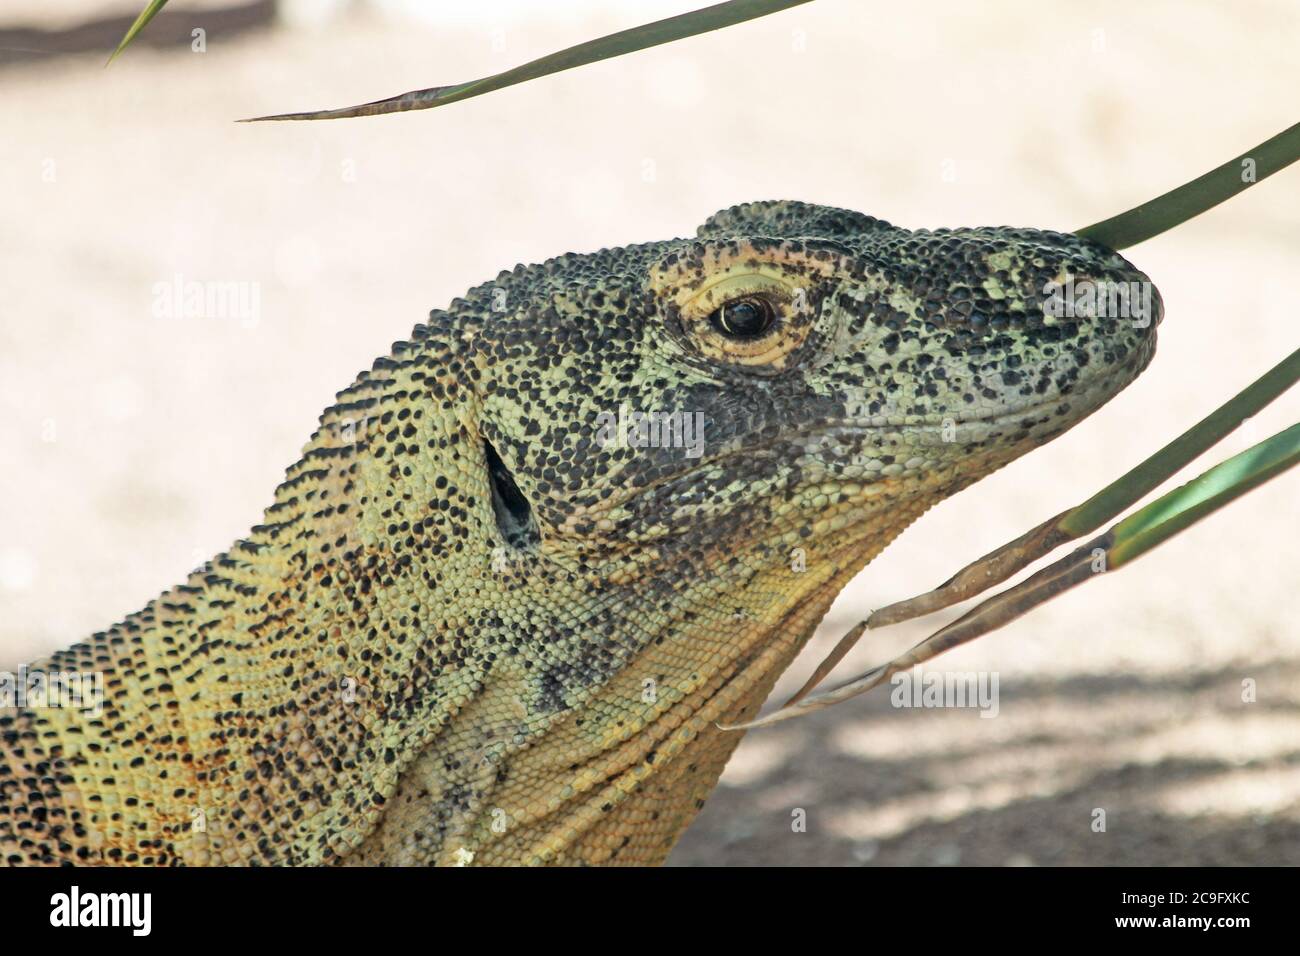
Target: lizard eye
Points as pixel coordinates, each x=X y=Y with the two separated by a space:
x=748 y=303
x=746 y=318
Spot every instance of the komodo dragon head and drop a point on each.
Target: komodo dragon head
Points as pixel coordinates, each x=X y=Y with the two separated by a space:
x=533 y=558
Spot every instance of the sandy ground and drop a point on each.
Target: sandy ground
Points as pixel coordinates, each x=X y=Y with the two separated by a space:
x=134 y=446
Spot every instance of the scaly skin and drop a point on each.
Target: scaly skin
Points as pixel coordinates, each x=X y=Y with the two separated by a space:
x=428 y=654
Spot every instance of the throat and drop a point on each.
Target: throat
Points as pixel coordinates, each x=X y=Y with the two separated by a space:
x=611 y=771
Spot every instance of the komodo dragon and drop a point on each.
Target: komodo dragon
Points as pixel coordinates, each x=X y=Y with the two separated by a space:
x=483 y=625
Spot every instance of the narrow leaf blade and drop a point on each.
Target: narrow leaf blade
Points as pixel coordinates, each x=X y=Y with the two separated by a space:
x=147 y=14
x=1193 y=198
x=616 y=44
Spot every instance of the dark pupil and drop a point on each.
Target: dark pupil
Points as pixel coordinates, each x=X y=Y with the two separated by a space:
x=744 y=319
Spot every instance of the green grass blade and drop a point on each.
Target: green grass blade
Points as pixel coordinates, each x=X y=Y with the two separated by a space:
x=1139 y=481
x=147 y=14
x=1184 y=506
x=1191 y=199
x=616 y=44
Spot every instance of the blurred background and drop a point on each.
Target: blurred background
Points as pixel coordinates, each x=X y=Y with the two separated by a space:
x=135 y=442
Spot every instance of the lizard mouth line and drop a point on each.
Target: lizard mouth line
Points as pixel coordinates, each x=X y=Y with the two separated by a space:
x=924 y=431
x=810 y=439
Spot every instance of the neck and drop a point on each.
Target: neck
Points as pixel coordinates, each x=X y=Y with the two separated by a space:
x=614 y=730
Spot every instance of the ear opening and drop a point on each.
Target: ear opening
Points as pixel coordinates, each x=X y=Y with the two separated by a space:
x=514 y=515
